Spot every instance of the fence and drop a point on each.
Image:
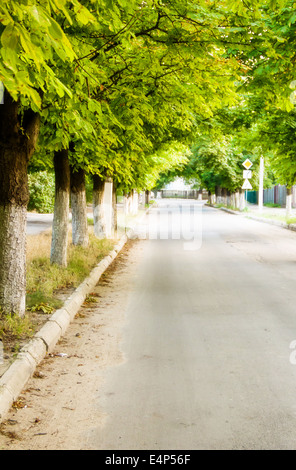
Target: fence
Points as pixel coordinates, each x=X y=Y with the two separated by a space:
x=275 y=195
x=183 y=194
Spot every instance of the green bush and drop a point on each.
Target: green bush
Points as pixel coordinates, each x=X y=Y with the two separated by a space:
x=41 y=188
x=272 y=204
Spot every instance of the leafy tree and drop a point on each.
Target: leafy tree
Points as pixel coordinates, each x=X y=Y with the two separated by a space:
x=31 y=43
x=114 y=88
x=41 y=189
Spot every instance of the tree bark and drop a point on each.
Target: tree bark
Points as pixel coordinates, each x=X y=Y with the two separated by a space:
x=147 y=195
x=288 y=202
x=126 y=204
x=60 y=227
x=224 y=196
x=219 y=195
x=236 y=199
x=135 y=202
x=242 y=202
x=79 y=208
x=114 y=209
x=18 y=137
x=108 y=207
x=98 y=209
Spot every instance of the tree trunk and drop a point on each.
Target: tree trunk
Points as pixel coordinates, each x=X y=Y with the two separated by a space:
x=114 y=208
x=236 y=199
x=224 y=197
x=147 y=195
x=293 y=196
x=79 y=209
x=108 y=207
x=18 y=138
x=126 y=204
x=232 y=200
x=219 y=195
x=288 y=202
x=60 y=226
x=130 y=202
x=98 y=209
x=242 y=202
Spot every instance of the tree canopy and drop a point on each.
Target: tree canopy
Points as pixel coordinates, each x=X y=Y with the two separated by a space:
x=141 y=91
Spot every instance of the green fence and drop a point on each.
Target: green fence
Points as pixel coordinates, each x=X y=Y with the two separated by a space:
x=251 y=197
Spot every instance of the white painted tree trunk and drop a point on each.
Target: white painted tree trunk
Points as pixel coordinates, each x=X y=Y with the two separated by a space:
x=242 y=201
x=79 y=219
x=114 y=210
x=126 y=204
x=288 y=202
x=98 y=208
x=135 y=202
x=294 y=196
x=236 y=200
x=232 y=200
x=60 y=226
x=224 y=197
x=79 y=209
x=18 y=138
x=60 y=229
x=13 y=220
x=108 y=208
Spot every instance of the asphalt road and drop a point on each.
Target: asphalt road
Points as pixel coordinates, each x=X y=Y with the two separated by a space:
x=190 y=345
x=207 y=339
x=37 y=223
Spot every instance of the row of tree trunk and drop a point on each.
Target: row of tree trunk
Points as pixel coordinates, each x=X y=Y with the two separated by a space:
x=236 y=200
x=17 y=143
x=70 y=191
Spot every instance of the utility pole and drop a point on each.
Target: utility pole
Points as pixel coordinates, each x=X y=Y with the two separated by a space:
x=261 y=178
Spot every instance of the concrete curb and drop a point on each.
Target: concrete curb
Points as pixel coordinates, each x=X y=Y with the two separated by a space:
x=273 y=222
x=230 y=211
x=15 y=378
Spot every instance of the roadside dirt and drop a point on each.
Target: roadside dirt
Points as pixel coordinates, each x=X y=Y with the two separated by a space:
x=59 y=403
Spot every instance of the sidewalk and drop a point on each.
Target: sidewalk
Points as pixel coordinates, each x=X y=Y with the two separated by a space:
x=276 y=213
x=15 y=375
x=272 y=215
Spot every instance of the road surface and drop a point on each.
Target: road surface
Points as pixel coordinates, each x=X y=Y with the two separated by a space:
x=37 y=223
x=190 y=347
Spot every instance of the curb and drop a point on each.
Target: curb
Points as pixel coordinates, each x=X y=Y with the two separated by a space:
x=273 y=222
x=230 y=211
x=15 y=378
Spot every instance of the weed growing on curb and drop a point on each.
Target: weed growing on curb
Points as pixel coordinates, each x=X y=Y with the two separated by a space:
x=48 y=285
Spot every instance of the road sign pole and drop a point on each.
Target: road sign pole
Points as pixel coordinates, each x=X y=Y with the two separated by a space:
x=247 y=164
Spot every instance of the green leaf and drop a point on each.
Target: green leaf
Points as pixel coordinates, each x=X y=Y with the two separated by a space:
x=10 y=37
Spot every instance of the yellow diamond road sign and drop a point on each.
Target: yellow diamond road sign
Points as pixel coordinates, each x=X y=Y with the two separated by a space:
x=247 y=164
